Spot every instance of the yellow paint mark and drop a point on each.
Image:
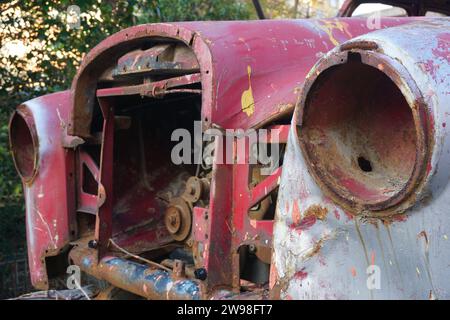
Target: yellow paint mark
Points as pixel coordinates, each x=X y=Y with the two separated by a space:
x=247 y=100
x=330 y=25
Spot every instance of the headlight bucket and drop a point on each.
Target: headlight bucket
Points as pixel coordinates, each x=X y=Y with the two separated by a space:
x=24 y=143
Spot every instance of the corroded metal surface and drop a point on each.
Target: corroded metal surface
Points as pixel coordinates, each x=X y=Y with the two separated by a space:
x=401 y=244
x=49 y=193
x=274 y=76
x=137 y=278
x=110 y=160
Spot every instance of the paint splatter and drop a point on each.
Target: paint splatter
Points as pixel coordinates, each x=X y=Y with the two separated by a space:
x=295 y=213
x=331 y=25
x=300 y=275
x=336 y=214
x=247 y=100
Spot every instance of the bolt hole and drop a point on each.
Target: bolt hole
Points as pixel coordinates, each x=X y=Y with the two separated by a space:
x=364 y=164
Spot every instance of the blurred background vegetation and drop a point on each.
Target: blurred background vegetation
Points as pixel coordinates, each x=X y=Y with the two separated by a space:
x=39 y=54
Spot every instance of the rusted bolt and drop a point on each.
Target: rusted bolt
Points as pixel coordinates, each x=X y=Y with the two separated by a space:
x=195 y=189
x=178 y=269
x=173 y=219
x=200 y=274
x=93 y=244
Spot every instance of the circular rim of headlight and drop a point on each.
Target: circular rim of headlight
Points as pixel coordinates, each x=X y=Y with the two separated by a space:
x=405 y=197
x=27 y=175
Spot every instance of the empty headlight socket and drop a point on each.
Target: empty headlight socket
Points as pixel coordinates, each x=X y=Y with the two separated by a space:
x=362 y=125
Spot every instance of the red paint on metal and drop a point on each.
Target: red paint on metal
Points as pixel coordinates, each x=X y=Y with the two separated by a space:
x=304 y=224
x=336 y=214
x=275 y=78
x=443 y=47
x=50 y=196
x=103 y=226
x=400 y=217
x=296 y=216
x=86 y=202
x=200 y=225
x=300 y=275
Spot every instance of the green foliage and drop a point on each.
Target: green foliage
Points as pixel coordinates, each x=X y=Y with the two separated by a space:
x=39 y=54
x=294 y=9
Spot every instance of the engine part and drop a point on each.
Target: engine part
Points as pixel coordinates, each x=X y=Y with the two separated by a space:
x=178 y=219
x=196 y=188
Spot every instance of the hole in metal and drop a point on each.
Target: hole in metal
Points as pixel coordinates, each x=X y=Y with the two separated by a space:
x=364 y=164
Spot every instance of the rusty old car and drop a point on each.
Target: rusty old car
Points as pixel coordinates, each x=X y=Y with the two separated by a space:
x=359 y=120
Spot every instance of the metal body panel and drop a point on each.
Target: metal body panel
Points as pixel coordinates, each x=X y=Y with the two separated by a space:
x=274 y=56
x=332 y=255
x=50 y=196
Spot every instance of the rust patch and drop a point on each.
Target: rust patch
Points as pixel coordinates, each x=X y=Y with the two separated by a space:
x=315 y=249
x=363 y=45
x=317 y=211
x=310 y=216
x=423 y=234
x=396 y=218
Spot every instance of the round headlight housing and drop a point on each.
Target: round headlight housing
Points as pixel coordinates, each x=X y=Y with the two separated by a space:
x=362 y=129
x=24 y=143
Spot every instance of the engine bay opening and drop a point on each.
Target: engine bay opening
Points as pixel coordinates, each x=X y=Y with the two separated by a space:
x=148 y=185
x=149 y=95
x=149 y=205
